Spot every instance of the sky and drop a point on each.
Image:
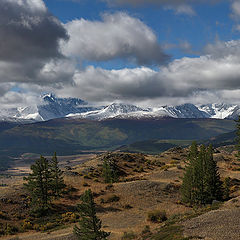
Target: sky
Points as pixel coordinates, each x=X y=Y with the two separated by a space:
x=144 y=52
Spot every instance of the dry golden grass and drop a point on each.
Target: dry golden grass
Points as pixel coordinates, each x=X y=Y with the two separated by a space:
x=153 y=188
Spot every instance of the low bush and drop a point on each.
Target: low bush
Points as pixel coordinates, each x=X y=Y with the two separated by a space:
x=3 y=215
x=27 y=225
x=146 y=231
x=11 y=229
x=127 y=206
x=69 y=217
x=85 y=184
x=157 y=216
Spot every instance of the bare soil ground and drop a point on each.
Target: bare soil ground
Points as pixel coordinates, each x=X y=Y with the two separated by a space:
x=223 y=224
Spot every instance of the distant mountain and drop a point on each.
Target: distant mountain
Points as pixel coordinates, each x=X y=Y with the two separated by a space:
x=230 y=111
x=112 y=111
x=71 y=136
x=52 y=107
x=127 y=111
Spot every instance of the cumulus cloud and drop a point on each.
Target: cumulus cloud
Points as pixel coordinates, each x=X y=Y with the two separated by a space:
x=116 y=36
x=179 y=6
x=28 y=30
x=13 y=99
x=158 y=2
x=182 y=9
x=235 y=6
x=221 y=49
x=186 y=78
x=31 y=55
x=29 y=39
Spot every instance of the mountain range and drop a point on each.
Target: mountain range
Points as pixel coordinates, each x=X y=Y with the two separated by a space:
x=53 y=107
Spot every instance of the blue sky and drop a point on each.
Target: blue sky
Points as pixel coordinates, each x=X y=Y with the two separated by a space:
x=210 y=21
x=146 y=52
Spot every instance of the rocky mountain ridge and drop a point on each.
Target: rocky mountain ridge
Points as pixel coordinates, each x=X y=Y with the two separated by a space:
x=53 y=107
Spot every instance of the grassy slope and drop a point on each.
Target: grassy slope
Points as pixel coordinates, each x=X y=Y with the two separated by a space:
x=72 y=136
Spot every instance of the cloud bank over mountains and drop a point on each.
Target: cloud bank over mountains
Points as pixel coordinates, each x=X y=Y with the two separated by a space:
x=38 y=53
x=116 y=36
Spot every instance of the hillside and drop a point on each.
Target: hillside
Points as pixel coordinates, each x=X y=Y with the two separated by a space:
x=147 y=183
x=71 y=136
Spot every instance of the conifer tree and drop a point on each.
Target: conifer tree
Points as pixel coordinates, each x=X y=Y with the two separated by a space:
x=57 y=182
x=201 y=180
x=110 y=171
x=226 y=188
x=39 y=184
x=213 y=186
x=189 y=178
x=89 y=225
x=238 y=138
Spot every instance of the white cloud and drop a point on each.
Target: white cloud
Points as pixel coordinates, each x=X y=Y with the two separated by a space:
x=29 y=39
x=116 y=36
x=179 y=6
x=13 y=99
x=182 y=9
x=221 y=49
x=157 y=2
x=235 y=6
x=186 y=79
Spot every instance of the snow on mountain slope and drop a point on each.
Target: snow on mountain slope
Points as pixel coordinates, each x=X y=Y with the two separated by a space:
x=118 y=110
x=220 y=110
x=60 y=107
x=53 y=107
x=111 y=111
x=187 y=111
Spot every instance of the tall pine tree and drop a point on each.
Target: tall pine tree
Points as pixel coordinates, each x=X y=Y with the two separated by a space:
x=89 y=225
x=110 y=171
x=201 y=180
x=213 y=188
x=238 y=138
x=189 y=178
x=39 y=184
x=57 y=182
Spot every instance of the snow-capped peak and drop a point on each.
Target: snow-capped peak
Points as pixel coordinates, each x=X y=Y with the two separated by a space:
x=54 y=107
x=219 y=110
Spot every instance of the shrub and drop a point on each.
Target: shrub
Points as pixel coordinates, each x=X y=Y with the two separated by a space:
x=48 y=226
x=69 y=217
x=69 y=189
x=26 y=225
x=36 y=227
x=127 y=206
x=11 y=229
x=87 y=177
x=95 y=180
x=166 y=167
x=128 y=236
x=174 y=162
x=85 y=184
x=146 y=230
x=109 y=186
x=3 y=215
x=157 y=216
